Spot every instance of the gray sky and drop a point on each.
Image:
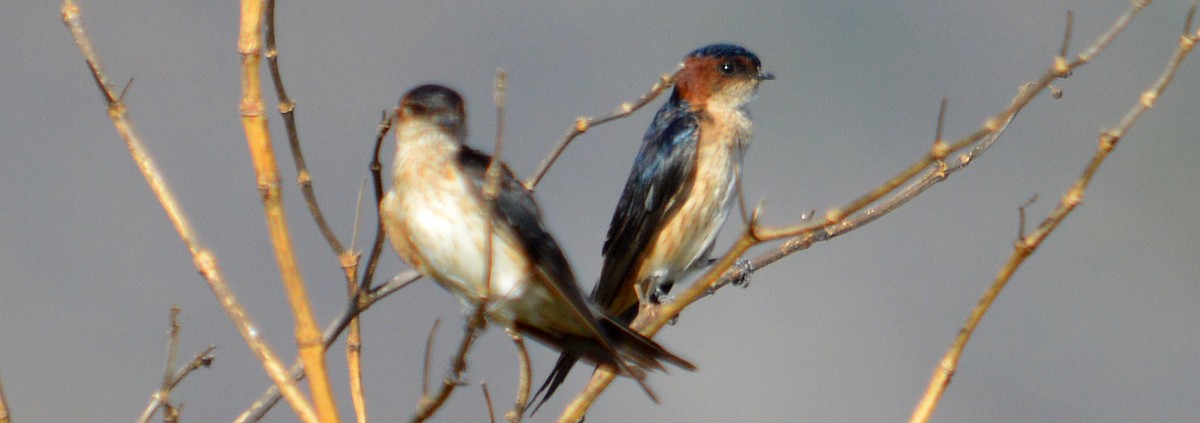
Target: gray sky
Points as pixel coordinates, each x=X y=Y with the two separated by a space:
x=1099 y=325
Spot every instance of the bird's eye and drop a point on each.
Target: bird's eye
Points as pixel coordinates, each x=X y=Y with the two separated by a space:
x=728 y=68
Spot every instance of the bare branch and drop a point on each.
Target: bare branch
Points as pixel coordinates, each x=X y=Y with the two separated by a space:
x=287 y=109
x=487 y=399
x=429 y=404
x=1028 y=244
x=376 y=169
x=262 y=155
x=526 y=378
x=172 y=376
x=271 y=396
x=204 y=260
x=428 y=354
x=162 y=397
x=348 y=259
x=583 y=124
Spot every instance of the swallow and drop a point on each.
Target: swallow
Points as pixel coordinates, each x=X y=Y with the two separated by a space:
x=439 y=220
x=681 y=187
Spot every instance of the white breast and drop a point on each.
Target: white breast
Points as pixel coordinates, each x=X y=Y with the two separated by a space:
x=437 y=224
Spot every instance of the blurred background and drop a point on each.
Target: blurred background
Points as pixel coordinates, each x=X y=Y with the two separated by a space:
x=1099 y=326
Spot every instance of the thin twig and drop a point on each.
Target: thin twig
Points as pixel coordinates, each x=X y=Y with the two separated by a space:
x=162 y=397
x=487 y=399
x=258 y=139
x=203 y=359
x=287 y=109
x=1028 y=244
x=348 y=259
x=584 y=124
x=376 y=169
x=525 y=380
x=837 y=220
x=204 y=260
x=428 y=354
x=1021 y=212
x=358 y=202
x=259 y=408
x=429 y=404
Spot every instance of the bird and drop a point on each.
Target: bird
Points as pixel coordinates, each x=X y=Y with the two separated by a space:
x=438 y=219
x=681 y=188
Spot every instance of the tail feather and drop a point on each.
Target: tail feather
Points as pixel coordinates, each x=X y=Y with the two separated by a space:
x=641 y=350
x=637 y=353
x=556 y=378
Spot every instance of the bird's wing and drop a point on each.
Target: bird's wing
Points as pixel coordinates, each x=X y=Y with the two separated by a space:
x=661 y=175
x=518 y=217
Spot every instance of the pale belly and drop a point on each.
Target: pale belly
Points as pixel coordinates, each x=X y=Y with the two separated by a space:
x=438 y=227
x=688 y=235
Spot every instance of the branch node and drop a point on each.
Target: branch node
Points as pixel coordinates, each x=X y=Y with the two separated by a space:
x=1061 y=68
x=287 y=107
x=833 y=216
x=1073 y=197
x=964 y=159
x=1108 y=140
x=939 y=150
x=1148 y=98
x=991 y=124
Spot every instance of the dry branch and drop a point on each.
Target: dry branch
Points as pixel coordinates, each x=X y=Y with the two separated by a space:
x=172 y=376
x=258 y=139
x=430 y=404
x=525 y=379
x=204 y=260
x=1026 y=245
x=347 y=258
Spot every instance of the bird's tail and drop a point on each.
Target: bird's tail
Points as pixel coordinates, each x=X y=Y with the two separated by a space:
x=638 y=354
x=643 y=352
x=557 y=376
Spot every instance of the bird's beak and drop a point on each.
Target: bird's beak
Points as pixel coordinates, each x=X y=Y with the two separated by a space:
x=764 y=76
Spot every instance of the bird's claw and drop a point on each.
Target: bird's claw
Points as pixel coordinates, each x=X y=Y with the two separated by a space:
x=746 y=268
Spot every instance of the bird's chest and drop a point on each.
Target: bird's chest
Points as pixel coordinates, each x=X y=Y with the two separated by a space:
x=434 y=220
x=438 y=225
x=693 y=227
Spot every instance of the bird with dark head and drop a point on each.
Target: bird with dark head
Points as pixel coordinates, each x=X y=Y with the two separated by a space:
x=681 y=188
x=438 y=220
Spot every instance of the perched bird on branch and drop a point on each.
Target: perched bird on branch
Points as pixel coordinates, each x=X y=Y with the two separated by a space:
x=442 y=220
x=681 y=188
